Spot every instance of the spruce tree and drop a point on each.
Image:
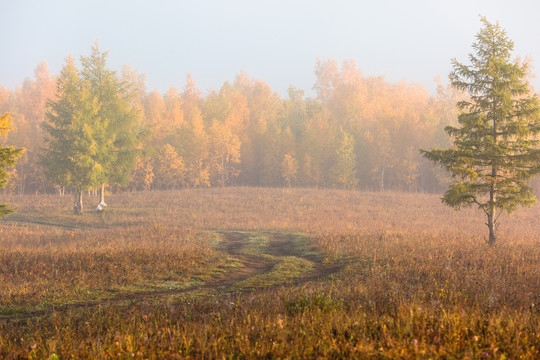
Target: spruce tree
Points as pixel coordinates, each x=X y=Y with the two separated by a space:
x=495 y=148
x=118 y=130
x=8 y=157
x=70 y=157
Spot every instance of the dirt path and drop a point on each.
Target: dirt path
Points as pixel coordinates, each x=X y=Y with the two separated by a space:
x=235 y=244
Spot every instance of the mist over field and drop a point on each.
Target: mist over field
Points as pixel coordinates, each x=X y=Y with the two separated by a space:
x=269 y=180
x=277 y=41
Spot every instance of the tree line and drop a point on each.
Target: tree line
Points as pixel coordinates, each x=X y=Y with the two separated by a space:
x=356 y=132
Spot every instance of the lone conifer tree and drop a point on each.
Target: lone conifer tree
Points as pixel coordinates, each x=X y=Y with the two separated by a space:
x=495 y=150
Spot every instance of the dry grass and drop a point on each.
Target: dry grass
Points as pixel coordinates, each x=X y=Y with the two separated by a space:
x=43 y=267
x=418 y=281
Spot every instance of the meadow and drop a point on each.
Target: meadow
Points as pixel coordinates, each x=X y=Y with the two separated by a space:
x=266 y=273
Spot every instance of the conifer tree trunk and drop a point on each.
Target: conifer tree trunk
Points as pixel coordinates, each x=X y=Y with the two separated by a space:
x=492 y=212
x=491 y=226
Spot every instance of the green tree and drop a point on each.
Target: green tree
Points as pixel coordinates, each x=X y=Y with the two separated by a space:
x=8 y=157
x=117 y=130
x=70 y=156
x=495 y=150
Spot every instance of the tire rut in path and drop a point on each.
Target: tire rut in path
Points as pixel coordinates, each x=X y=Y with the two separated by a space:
x=287 y=244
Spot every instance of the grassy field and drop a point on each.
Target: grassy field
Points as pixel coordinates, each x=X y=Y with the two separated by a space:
x=266 y=273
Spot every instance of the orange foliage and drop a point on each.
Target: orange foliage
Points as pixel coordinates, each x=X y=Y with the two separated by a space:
x=241 y=133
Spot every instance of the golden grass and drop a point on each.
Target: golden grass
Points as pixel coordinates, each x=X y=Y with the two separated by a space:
x=418 y=280
x=46 y=267
x=308 y=210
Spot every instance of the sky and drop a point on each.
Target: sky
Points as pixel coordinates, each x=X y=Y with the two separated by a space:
x=277 y=41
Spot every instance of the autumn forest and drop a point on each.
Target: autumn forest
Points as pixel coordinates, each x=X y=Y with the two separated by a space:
x=356 y=132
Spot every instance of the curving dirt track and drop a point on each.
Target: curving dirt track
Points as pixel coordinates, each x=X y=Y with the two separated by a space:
x=279 y=245
x=233 y=244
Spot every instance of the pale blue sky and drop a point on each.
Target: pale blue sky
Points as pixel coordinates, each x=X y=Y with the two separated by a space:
x=275 y=40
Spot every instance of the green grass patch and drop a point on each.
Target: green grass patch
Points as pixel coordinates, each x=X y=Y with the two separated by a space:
x=219 y=270
x=286 y=270
x=256 y=244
